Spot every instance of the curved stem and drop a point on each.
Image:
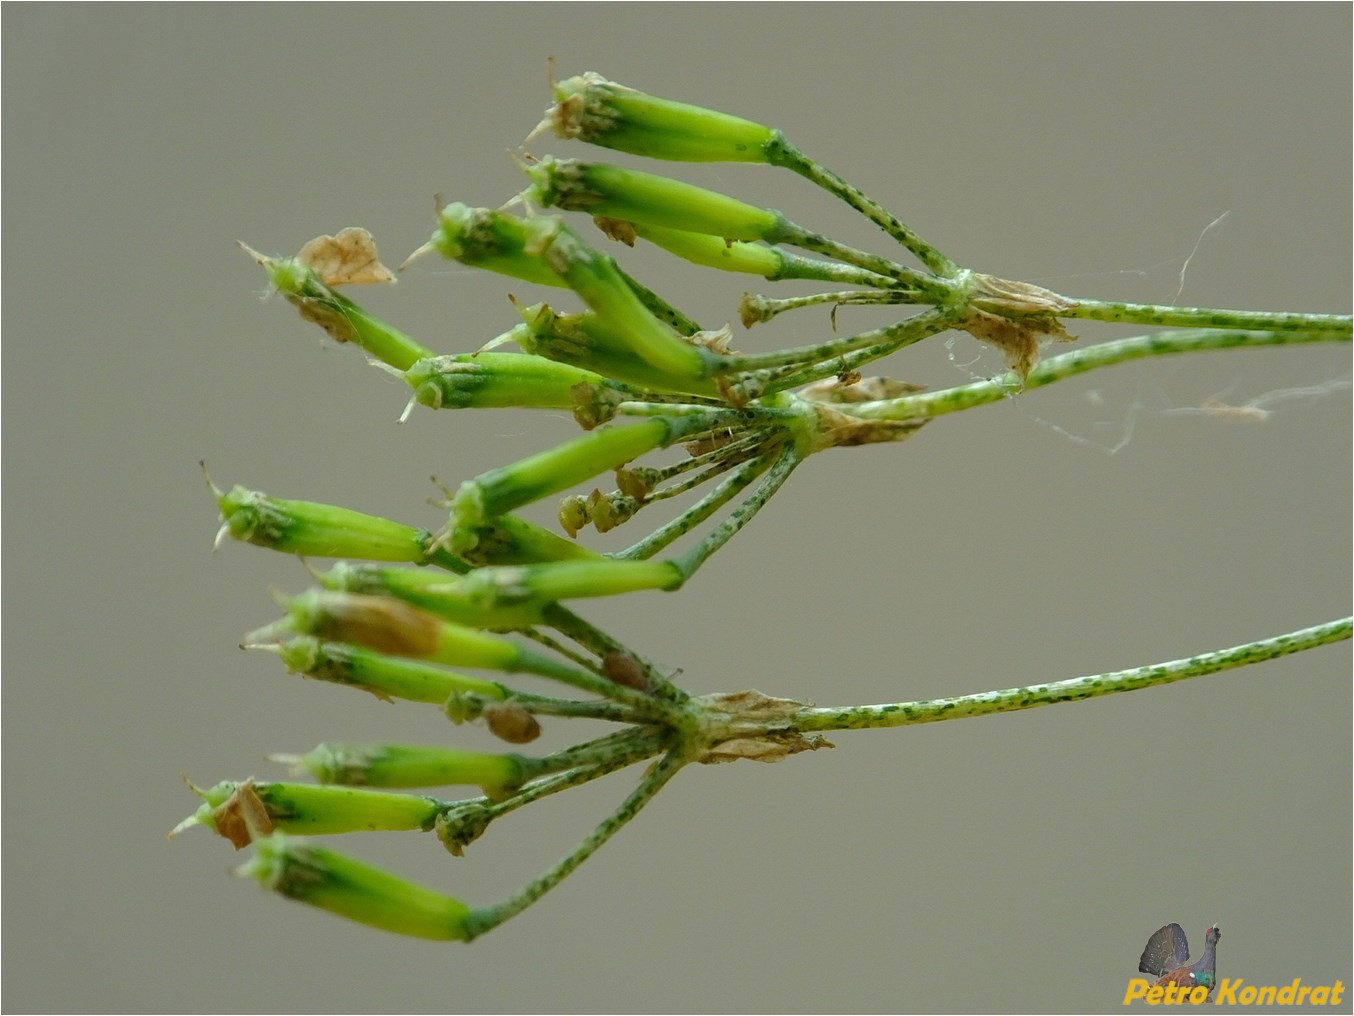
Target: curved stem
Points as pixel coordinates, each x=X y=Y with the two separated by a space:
x=781 y=152
x=484 y=919
x=1007 y=700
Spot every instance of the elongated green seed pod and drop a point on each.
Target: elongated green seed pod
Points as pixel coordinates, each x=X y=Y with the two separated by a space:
x=601 y=112
x=337 y=883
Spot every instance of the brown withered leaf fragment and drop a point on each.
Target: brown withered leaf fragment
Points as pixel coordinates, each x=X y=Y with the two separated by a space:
x=1015 y=317
x=771 y=747
x=837 y=430
x=242 y=817
x=616 y=229
x=716 y=340
x=348 y=258
x=1017 y=338
x=1016 y=299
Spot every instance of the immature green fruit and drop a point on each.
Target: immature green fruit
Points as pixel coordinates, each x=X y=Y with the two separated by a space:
x=491 y=380
x=243 y=811
x=386 y=677
x=408 y=765
x=620 y=193
x=341 y=885
x=488 y=239
x=316 y=530
x=601 y=112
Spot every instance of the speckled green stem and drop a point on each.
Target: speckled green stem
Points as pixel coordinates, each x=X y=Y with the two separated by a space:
x=599 y=643
x=780 y=472
x=483 y=919
x=894 y=336
x=1206 y=317
x=698 y=512
x=793 y=233
x=619 y=748
x=898 y=714
x=781 y=379
x=1058 y=368
x=462 y=822
x=780 y=152
x=755 y=308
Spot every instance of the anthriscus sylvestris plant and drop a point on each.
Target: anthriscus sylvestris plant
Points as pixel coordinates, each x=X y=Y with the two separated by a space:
x=404 y=612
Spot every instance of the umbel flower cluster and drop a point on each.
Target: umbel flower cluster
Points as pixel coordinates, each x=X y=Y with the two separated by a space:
x=403 y=611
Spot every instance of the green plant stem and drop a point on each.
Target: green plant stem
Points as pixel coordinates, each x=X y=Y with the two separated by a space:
x=619 y=748
x=1206 y=317
x=764 y=308
x=780 y=472
x=780 y=152
x=698 y=512
x=599 y=643
x=898 y=714
x=659 y=307
x=894 y=336
x=597 y=709
x=465 y=821
x=483 y=919
x=784 y=378
x=920 y=283
x=1058 y=368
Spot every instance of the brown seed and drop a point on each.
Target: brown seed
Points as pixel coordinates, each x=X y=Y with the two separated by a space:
x=511 y=722
x=624 y=669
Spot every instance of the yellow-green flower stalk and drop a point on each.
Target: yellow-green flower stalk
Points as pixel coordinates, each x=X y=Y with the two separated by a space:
x=601 y=112
x=332 y=881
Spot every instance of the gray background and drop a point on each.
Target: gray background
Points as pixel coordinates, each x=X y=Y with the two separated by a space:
x=1010 y=863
